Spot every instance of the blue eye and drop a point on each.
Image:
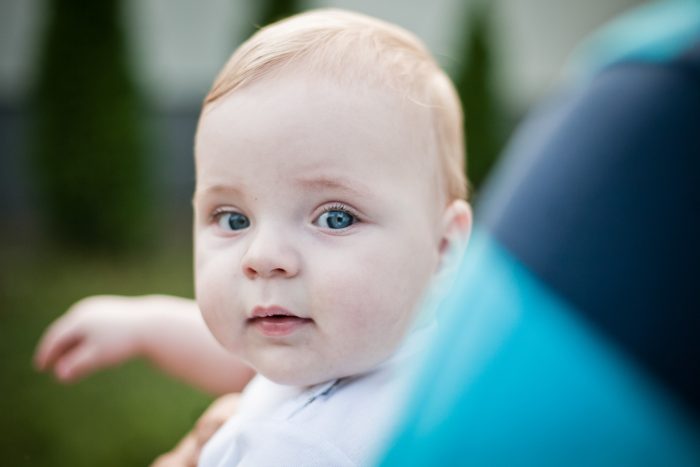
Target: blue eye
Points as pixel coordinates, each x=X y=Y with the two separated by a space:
x=233 y=221
x=336 y=219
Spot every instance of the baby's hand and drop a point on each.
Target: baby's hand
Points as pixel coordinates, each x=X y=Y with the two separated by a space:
x=95 y=333
x=168 y=331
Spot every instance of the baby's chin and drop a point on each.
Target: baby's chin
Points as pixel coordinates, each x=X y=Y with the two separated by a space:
x=300 y=365
x=304 y=376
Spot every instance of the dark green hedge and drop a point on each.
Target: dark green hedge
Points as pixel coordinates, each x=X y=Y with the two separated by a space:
x=88 y=141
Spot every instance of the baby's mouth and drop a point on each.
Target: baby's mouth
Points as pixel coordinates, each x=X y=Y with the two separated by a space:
x=276 y=321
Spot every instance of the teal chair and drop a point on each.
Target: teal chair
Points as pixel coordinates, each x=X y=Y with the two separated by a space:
x=572 y=334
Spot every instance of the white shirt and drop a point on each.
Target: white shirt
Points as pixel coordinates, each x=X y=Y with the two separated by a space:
x=339 y=423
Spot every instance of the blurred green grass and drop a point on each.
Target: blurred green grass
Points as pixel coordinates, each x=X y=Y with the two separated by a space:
x=120 y=417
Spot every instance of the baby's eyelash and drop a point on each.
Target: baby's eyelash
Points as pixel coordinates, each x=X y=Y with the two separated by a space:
x=343 y=208
x=218 y=212
x=338 y=207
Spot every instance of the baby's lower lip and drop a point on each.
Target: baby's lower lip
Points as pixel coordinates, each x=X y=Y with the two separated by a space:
x=278 y=326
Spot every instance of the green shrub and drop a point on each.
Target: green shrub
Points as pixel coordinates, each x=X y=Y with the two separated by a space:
x=88 y=142
x=485 y=123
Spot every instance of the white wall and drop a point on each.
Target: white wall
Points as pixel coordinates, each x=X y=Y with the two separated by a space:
x=535 y=37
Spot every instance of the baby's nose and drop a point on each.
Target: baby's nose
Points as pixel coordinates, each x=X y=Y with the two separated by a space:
x=270 y=255
x=257 y=269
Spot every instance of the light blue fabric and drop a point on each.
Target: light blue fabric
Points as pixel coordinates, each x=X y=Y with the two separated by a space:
x=515 y=377
x=655 y=32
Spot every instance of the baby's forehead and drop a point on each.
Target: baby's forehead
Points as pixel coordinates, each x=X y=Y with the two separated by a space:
x=320 y=121
x=301 y=105
x=319 y=130
x=359 y=54
x=351 y=86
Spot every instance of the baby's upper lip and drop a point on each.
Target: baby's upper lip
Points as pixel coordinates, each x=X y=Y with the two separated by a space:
x=273 y=310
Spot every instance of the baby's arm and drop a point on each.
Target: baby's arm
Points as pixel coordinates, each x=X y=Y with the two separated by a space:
x=103 y=331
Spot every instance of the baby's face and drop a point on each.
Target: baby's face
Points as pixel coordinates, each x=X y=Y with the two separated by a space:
x=317 y=225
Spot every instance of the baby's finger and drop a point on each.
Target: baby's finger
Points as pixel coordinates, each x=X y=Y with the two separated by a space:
x=205 y=429
x=77 y=363
x=56 y=341
x=183 y=455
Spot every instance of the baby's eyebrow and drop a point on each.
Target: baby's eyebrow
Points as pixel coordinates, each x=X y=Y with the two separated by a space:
x=214 y=190
x=353 y=187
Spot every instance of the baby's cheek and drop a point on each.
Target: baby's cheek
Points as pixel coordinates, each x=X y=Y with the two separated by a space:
x=213 y=304
x=362 y=309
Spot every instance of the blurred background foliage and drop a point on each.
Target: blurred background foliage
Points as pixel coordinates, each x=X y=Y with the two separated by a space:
x=485 y=123
x=88 y=135
x=96 y=175
x=121 y=417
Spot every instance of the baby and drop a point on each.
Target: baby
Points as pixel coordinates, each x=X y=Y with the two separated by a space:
x=330 y=186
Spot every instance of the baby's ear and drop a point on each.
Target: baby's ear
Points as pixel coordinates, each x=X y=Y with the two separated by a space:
x=456 y=227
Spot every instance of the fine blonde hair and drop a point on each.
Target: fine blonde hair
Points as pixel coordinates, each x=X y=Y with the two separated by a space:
x=354 y=48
